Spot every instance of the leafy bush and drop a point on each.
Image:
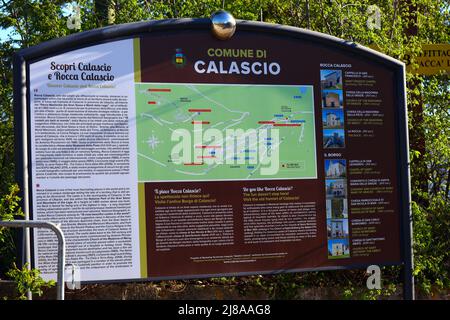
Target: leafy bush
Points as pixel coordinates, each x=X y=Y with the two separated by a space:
x=28 y=280
x=431 y=244
x=9 y=210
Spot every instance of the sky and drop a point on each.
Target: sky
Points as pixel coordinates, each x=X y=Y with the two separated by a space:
x=4 y=33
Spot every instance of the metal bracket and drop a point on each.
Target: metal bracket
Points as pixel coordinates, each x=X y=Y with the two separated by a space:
x=72 y=276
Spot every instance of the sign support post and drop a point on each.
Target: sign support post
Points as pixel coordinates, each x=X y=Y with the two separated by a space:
x=405 y=181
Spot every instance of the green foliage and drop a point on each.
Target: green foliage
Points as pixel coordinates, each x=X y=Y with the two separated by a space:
x=6 y=120
x=352 y=293
x=431 y=243
x=350 y=284
x=9 y=204
x=282 y=286
x=25 y=279
x=28 y=280
x=431 y=210
x=9 y=210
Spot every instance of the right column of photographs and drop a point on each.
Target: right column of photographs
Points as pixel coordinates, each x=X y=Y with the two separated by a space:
x=333 y=124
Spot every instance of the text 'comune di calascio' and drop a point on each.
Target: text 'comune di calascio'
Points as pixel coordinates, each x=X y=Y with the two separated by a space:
x=237 y=67
x=89 y=71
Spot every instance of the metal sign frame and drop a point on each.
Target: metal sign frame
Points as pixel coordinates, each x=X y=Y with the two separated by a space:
x=24 y=57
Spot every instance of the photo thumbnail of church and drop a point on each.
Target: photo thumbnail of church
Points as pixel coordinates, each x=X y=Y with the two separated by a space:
x=335 y=168
x=336 y=188
x=333 y=118
x=337 y=228
x=330 y=79
x=338 y=248
x=332 y=99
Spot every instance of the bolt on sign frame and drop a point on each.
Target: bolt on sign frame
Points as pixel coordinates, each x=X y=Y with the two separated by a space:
x=100 y=113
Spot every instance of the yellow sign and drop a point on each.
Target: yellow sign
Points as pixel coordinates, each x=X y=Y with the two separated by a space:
x=433 y=59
